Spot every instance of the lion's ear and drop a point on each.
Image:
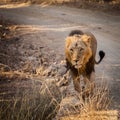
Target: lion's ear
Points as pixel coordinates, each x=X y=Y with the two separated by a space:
x=68 y=41
x=86 y=39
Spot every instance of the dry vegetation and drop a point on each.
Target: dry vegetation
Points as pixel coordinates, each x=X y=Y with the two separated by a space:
x=38 y=105
x=63 y=1
x=94 y=107
x=112 y=6
x=27 y=95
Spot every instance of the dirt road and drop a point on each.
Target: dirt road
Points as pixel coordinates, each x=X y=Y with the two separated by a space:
x=53 y=24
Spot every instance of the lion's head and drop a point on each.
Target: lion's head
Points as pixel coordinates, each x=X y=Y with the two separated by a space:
x=78 y=50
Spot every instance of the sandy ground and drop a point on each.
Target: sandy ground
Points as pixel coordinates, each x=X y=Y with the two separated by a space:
x=49 y=25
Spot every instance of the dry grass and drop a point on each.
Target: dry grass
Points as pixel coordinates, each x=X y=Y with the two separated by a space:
x=111 y=6
x=35 y=102
x=95 y=107
x=94 y=115
x=59 y=1
x=43 y=103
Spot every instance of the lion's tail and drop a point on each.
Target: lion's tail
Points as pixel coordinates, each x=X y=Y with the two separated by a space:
x=101 y=54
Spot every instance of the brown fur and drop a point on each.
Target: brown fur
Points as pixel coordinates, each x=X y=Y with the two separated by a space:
x=80 y=51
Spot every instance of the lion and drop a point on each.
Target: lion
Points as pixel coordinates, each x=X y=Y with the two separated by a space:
x=80 y=52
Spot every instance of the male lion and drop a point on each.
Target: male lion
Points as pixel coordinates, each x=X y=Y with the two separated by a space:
x=80 y=51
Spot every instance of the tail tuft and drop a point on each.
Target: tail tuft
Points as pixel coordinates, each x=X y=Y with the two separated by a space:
x=101 y=54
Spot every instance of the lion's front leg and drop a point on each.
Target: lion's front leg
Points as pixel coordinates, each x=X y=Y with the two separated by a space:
x=76 y=82
x=89 y=81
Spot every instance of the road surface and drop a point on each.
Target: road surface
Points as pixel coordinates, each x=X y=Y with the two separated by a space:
x=53 y=24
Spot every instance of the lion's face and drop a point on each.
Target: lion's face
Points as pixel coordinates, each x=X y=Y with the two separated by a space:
x=78 y=50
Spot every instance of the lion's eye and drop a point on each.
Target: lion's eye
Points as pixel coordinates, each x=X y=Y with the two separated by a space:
x=81 y=49
x=71 y=50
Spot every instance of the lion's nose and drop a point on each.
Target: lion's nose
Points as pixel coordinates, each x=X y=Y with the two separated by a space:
x=76 y=61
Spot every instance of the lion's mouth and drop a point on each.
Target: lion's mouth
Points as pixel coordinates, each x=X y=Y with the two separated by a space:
x=77 y=66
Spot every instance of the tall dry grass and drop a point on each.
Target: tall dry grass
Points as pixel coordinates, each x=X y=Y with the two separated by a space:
x=58 y=1
x=43 y=104
x=31 y=104
x=94 y=107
